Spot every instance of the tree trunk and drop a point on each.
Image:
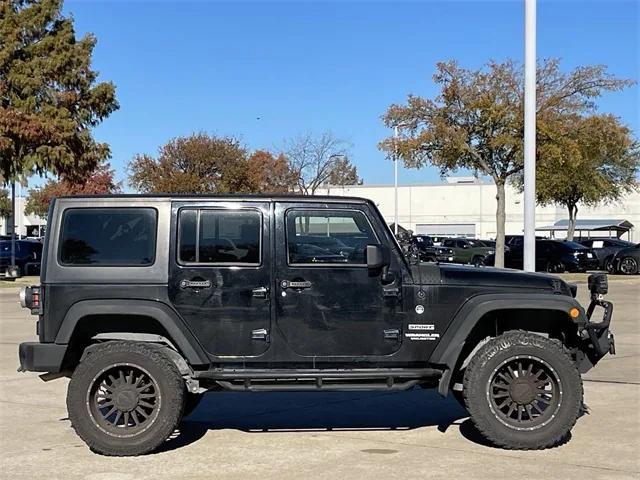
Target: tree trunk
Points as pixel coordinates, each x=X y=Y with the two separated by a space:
x=500 y=219
x=571 y=228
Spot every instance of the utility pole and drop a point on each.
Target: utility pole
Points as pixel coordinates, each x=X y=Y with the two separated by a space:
x=530 y=136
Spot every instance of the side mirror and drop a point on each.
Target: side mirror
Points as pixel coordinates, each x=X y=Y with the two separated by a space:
x=378 y=256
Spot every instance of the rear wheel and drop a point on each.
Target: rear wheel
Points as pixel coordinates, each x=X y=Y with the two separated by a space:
x=628 y=266
x=478 y=261
x=125 y=398
x=523 y=391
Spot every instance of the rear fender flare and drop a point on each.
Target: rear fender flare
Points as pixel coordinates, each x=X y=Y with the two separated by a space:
x=183 y=339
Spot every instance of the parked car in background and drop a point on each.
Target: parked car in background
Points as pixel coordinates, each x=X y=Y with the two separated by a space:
x=605 y=250
x=466 y=250
x=28 y=256
x=553 y=256
x=429 y=252
x=627 y=261
x=488 y=243
x=517 y=240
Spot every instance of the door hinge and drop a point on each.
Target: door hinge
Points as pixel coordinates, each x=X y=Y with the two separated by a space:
x=260 y=334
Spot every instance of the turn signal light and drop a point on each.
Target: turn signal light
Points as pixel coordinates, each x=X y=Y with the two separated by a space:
x=574 y=313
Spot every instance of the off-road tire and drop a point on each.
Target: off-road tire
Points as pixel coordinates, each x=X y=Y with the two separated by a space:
x=191 y=402
x=479 y=374
x=170 y=398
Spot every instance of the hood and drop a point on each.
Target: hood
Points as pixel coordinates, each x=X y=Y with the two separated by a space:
x=490 y=277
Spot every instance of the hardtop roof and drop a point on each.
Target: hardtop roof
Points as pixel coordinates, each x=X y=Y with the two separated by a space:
x=228 y=197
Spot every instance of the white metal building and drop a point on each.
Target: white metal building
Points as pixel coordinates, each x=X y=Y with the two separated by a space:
x=28 y=225
x=466 y=206
x=463 y=206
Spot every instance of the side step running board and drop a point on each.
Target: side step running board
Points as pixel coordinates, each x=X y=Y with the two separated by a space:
x=318 y=385
x=319 y=379
x=339 y=374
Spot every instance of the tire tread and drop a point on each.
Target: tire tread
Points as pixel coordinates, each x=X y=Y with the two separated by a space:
x=470 y=393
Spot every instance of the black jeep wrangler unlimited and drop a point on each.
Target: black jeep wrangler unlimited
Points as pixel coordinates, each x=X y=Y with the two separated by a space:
x=147 y=302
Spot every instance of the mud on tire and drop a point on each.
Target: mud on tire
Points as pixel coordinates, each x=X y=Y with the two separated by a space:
x=125 y=398
x=523 y=391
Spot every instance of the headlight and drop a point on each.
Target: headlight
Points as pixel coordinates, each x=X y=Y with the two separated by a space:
x=491 y=252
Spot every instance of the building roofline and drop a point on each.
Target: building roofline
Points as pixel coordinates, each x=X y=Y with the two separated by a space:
x=229 y=197
x=389 y=185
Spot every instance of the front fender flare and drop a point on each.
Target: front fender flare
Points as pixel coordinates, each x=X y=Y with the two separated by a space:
x=182 y=337
x=467 y=317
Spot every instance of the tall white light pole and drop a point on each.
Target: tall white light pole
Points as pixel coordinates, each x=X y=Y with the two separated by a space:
x=530 y=136
x=395 y=180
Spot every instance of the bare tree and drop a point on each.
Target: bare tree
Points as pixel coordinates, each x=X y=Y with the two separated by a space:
x=313 y=159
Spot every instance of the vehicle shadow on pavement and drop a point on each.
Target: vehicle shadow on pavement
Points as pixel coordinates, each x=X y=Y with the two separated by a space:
x=317 y=411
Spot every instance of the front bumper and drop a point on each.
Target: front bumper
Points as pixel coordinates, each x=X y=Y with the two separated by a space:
x=41 y=357
x=597 y=339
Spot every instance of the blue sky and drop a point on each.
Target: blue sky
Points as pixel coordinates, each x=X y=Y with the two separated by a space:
x=182 y=67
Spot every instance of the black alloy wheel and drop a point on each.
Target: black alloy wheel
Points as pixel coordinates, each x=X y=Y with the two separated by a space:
x=124 y=400
x=524 y=392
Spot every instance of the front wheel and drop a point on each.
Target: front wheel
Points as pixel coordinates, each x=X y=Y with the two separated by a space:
x=609 y=266
x=125 y=398
x=523 y=391
x=628 y=266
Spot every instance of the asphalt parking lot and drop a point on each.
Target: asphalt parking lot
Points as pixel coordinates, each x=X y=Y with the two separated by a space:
x=414 y=434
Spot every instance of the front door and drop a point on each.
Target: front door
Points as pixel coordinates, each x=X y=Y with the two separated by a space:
x=220 y=274
x=328 y=302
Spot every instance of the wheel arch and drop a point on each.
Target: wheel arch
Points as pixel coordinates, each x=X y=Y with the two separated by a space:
x=137 y=320
x=487 y=316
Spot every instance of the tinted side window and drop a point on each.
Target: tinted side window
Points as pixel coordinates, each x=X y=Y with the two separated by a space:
x=220 y=236
x=108 y=236
x=449 y=243
x=325 y=236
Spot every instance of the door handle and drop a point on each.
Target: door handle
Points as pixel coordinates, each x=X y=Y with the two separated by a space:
x=260 y=292
x=392 y=334
x=195 y=284
x=301 y=284
x=260 y=334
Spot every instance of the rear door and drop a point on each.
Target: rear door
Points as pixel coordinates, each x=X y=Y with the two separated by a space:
x=328 y=303
x=220 y=278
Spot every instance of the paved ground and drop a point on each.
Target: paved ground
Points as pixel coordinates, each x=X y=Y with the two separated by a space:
x=412 y=434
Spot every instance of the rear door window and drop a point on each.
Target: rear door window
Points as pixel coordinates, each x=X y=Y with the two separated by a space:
x=217 y=236
x=108 y=237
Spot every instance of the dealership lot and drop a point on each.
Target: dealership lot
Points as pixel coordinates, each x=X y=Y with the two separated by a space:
x=413 y=434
